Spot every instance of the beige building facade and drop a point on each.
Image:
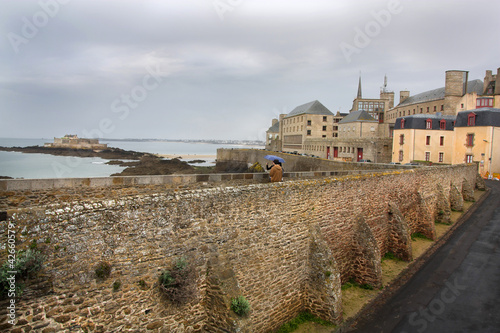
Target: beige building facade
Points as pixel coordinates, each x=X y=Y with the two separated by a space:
x=477 y=140
x=423 y=138
x=305 y=122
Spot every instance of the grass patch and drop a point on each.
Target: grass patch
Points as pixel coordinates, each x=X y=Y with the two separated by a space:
x=418 y=235
x=390 y=256
x=351 y=283
x=302 y=318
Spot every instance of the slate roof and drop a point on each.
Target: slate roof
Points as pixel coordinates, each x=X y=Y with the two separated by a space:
x=484 y=117
x=314 y=107
x=419 y=121
x=275 y=128
x=359 y=115
x=431 y=95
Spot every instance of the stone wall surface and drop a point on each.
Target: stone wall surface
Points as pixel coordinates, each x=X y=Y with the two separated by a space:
x=286 y=247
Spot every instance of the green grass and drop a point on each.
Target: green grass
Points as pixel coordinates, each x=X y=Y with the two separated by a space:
x=302 y=318
x=351 y=284
x=416 y=235
x=390 y=256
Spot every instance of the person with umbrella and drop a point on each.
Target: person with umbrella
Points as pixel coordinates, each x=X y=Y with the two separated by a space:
x=276 y=170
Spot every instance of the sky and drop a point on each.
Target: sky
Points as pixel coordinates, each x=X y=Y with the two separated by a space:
x=222 y=69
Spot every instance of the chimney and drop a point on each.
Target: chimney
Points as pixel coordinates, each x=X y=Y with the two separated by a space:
x=403 y=95
x=497 y=83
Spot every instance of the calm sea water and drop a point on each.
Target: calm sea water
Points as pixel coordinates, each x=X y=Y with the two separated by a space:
x=21 y=165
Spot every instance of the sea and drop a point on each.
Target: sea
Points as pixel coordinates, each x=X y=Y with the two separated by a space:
x=35 y=166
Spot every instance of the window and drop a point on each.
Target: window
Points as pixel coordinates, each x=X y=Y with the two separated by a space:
x=400 y=156
x=427 y=156
x=462 y=105
x=428 y=140
x=470 y=140
x=324 y=118
x=469 y=159
x=442 y=107
x=435 y=108
x=428 y=124
x=421 y=110
x=441 y=140
x=308 y=123
x=308 y=132
x=471 y=119
x=427 y=109
x=441 y=157
x=324 y=128
x=442 y=124
x=401 y=139
x=402 y=123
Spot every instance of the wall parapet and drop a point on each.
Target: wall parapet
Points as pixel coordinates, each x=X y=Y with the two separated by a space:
x=181 y=179
x=287 y=247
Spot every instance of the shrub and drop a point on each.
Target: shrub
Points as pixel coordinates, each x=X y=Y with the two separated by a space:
x=178 y=282
x=103 y=270
x=26 y=265
x=256 y=167
x=240 y=306
x=116 y=285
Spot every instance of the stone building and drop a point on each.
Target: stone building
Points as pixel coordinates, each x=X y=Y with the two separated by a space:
x=458 y=94
x=307 y=121
x=74 y=142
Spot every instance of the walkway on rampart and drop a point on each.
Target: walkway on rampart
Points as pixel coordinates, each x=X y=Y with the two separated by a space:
x=457 y=289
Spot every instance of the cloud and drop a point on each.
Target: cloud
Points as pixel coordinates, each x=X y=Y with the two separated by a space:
x=224 y=73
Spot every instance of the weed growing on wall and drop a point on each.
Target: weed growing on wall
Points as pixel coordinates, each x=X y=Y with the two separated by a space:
x=26 y=265
x=178 y=282
x=103 y=270
x=240 y=306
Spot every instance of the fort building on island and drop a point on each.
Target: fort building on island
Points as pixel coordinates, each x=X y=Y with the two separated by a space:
x=74 y=142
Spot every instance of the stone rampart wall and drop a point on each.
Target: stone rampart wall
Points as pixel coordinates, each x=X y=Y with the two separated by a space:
x=286 y=247
x=230 y=159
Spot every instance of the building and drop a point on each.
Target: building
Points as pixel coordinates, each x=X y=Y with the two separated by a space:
x=307 y=121
x=457 y=95
x=477 y=139
x=375 y=107
x=423 y=137
x=74 y=142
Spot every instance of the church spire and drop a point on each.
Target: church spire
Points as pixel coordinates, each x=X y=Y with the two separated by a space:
x=360 y=95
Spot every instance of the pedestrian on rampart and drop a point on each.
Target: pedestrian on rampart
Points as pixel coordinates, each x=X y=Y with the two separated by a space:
x=276 y=171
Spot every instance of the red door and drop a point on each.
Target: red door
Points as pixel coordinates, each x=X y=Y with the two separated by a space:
x=360 y=154
x=327 y=153
x=335 y=151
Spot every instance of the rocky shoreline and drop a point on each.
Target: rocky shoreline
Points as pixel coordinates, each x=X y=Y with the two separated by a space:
x=141 y=164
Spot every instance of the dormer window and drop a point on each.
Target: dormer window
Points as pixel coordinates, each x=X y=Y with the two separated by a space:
x=442 y=124
x=403 y=123
x=471 y=119
x=428 y=124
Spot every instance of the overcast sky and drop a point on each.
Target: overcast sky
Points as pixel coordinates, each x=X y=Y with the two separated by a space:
x=222 y=69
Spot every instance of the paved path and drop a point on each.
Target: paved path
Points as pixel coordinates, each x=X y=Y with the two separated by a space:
x=457 y=289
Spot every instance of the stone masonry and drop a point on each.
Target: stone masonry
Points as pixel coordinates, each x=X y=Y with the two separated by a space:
x=286 y=247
